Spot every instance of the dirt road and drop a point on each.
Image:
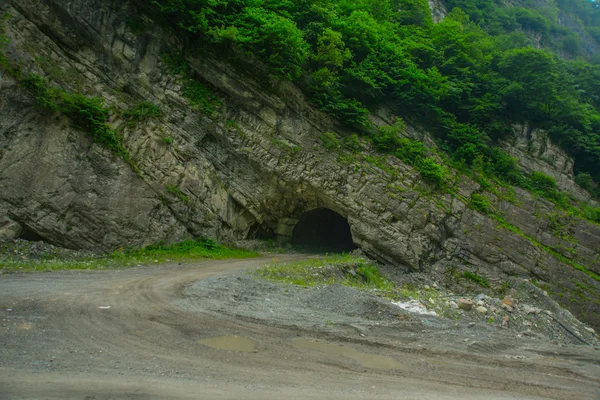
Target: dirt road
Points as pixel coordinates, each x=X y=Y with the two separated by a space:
x=120 y=334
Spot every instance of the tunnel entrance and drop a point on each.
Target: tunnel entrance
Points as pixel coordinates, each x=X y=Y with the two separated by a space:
x=323 y=230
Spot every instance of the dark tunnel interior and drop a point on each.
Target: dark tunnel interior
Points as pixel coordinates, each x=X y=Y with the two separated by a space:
x=323 y=230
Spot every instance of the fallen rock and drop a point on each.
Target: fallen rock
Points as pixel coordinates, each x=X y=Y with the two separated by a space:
x=481 y=310
x=465 y=304
x=507 y=307
x=508 y=301
x=530 y=310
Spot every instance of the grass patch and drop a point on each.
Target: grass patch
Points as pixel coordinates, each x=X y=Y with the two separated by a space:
x=177 y=192
x=142 y=112
x=199 y=96
x=478 y=279
x=342 y=269
x=480 y=203
x=187 y=251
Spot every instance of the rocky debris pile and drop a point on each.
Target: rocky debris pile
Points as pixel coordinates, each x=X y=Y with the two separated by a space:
x=16 y=250
x=527 y=310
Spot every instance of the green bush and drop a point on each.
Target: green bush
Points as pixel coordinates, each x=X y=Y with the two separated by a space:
x=541 y=182
x=432 y=171
x=480 y=203
x=329 y=141
x=143 y=111
x=352 y=142
x=592 y=213
x=87 y=113
x=480 y=280
x=200 y=96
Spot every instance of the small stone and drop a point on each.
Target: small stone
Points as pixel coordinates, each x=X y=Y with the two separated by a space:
x=255 y=351
x=435 y=286
x=453 y=305
x=426 y=287
x=471 y=324
x=480 y=303
x=431 y=301
x=505 y=321
x=507 y=307
x=465 y=304
x=508 y=301
x=481 y=310
x=529 y=310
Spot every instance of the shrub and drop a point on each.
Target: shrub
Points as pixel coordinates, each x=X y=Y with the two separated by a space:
x=87 y=113
x=480 y=280
x=541 y=182
x=480 y=203
x=142 y=111
x=432 y=171
x=200 y=96
x=352 y=142
x=329 y=140
x=410 y=151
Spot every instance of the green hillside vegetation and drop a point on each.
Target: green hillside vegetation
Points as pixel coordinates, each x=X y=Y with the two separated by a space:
x=467 y=79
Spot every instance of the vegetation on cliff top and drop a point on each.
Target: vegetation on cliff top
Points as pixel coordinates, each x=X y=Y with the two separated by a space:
x=468 y=79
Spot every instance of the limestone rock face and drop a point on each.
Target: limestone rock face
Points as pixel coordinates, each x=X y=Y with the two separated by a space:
x=255 y=163
x=535 y=152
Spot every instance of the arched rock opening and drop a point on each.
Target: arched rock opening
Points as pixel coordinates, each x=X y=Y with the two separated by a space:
x=323 y=230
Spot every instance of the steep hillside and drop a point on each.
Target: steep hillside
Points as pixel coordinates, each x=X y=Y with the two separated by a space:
x=117 y=131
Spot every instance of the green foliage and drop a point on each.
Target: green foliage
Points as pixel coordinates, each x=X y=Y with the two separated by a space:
x=329 y=141
x=187 y=251
x=541 y=183
x=200 y=97
x=352 y=142
x=432 y=171
x=198 y=94
x=480 y=280
x=320 y=271
x=468 y=79
x=177 y=192
x=87 y=113
x=480 y=203
x=592 y=213
x=142 y=111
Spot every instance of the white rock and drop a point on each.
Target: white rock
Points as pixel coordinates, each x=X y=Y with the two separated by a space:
x=481 y=310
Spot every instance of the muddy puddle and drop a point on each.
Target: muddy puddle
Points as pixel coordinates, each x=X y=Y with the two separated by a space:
x=231 y=343
x=366 y=360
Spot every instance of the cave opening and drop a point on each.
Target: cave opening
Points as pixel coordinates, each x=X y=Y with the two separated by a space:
x=31 y=236
x=323 y=230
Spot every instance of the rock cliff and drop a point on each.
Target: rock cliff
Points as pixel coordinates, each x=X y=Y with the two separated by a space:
x=254 y=164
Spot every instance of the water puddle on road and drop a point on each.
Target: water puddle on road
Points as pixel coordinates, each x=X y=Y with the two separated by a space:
x=366 y=360
x=232 y=343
